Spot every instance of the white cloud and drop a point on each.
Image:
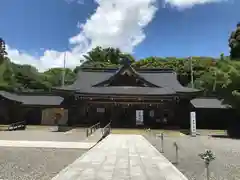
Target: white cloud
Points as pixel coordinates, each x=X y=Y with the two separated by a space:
x=50 y=59
x=115 y=23
x=189 y=3
x=112 y=25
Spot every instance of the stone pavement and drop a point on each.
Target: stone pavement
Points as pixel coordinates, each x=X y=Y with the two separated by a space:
x=121 y=157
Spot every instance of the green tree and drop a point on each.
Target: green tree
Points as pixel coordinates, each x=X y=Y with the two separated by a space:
x=234 y=43
x=54 y=76
x=27 y=78
x=105 y=57
x=3 y=51
x=222 y=57
x=8 y=74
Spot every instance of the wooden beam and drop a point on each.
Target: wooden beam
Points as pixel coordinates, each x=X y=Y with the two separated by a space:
x=127 y=102
x=127 y=98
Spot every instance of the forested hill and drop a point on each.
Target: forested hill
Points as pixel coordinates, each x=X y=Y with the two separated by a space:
x=26 y=77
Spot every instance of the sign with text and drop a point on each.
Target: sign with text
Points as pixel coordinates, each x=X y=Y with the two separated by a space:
x=101 y=110
x=193 y=123
x=139 y=117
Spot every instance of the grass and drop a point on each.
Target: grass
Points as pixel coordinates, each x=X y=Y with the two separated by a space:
x=38 y=126
x=144 y=132
x=214 y=132
x=205 y=131
x=3 y=127
x=172 y=133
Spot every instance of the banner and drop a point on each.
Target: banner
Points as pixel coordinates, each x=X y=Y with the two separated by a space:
x=139 y=117
x=193 y=123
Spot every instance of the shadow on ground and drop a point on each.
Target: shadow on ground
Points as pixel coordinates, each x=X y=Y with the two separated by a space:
x=63 y=129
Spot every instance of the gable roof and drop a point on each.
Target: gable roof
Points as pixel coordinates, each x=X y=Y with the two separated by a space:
x=32 y=99
x=126 y=69
x=213 y=103
x=161 y=78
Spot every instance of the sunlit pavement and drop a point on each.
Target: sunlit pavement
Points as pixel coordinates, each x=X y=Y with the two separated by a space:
x=121 y=157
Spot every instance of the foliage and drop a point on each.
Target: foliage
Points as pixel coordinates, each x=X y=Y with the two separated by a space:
x=25 y=77
x=207 y=156
x=3 y=52
x=102 y=57
x=54 y=76
x=234 y=43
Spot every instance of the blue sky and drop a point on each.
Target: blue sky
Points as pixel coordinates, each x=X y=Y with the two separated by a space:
x=39 y=32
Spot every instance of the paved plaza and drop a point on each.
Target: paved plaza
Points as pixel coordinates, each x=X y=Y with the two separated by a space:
x=44 y=135
x=73 y=139
x=121 y=157
x=39 y=154
x=226 y=166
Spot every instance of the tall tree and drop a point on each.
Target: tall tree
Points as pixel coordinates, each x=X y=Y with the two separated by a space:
x=3 y=52
x=105 y=57
x=234 y=43
x=54 y=76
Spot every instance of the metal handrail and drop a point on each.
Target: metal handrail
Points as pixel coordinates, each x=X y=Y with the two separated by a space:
x=106 y=130
x=92 y=129
x=17 y=125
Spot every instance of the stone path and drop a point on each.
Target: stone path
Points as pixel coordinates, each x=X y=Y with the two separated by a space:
x=121 y=157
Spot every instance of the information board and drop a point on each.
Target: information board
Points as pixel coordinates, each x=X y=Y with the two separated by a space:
x=139 y=117
x=193 y=123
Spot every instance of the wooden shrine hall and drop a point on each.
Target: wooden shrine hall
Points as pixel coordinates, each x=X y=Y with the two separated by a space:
x=127 y=97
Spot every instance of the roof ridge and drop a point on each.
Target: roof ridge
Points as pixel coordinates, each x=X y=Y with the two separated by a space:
x=139 y=70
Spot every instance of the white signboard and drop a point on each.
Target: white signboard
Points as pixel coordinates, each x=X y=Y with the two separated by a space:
x=139 y=117
x=193 y=123
x=151 y=113
x=101 y=110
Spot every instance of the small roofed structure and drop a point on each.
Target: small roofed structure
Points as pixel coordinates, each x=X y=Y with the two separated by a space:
x=119 y=94
x=210 y=103
x=26 y=107
x=212 y=113
x=39 y=100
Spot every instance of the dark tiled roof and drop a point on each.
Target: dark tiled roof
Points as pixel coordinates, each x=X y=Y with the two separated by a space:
x=166 y=79
x=41 y=100
x=10 y=96
x=32 y=100
x=87 y=79
x=163 y=78
x=209 y=103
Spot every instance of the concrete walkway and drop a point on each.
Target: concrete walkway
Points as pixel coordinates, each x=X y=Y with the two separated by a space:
x=121 y=157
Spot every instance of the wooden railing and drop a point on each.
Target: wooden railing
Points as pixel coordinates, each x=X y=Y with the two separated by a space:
x=17 y=126
x=92 y=129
